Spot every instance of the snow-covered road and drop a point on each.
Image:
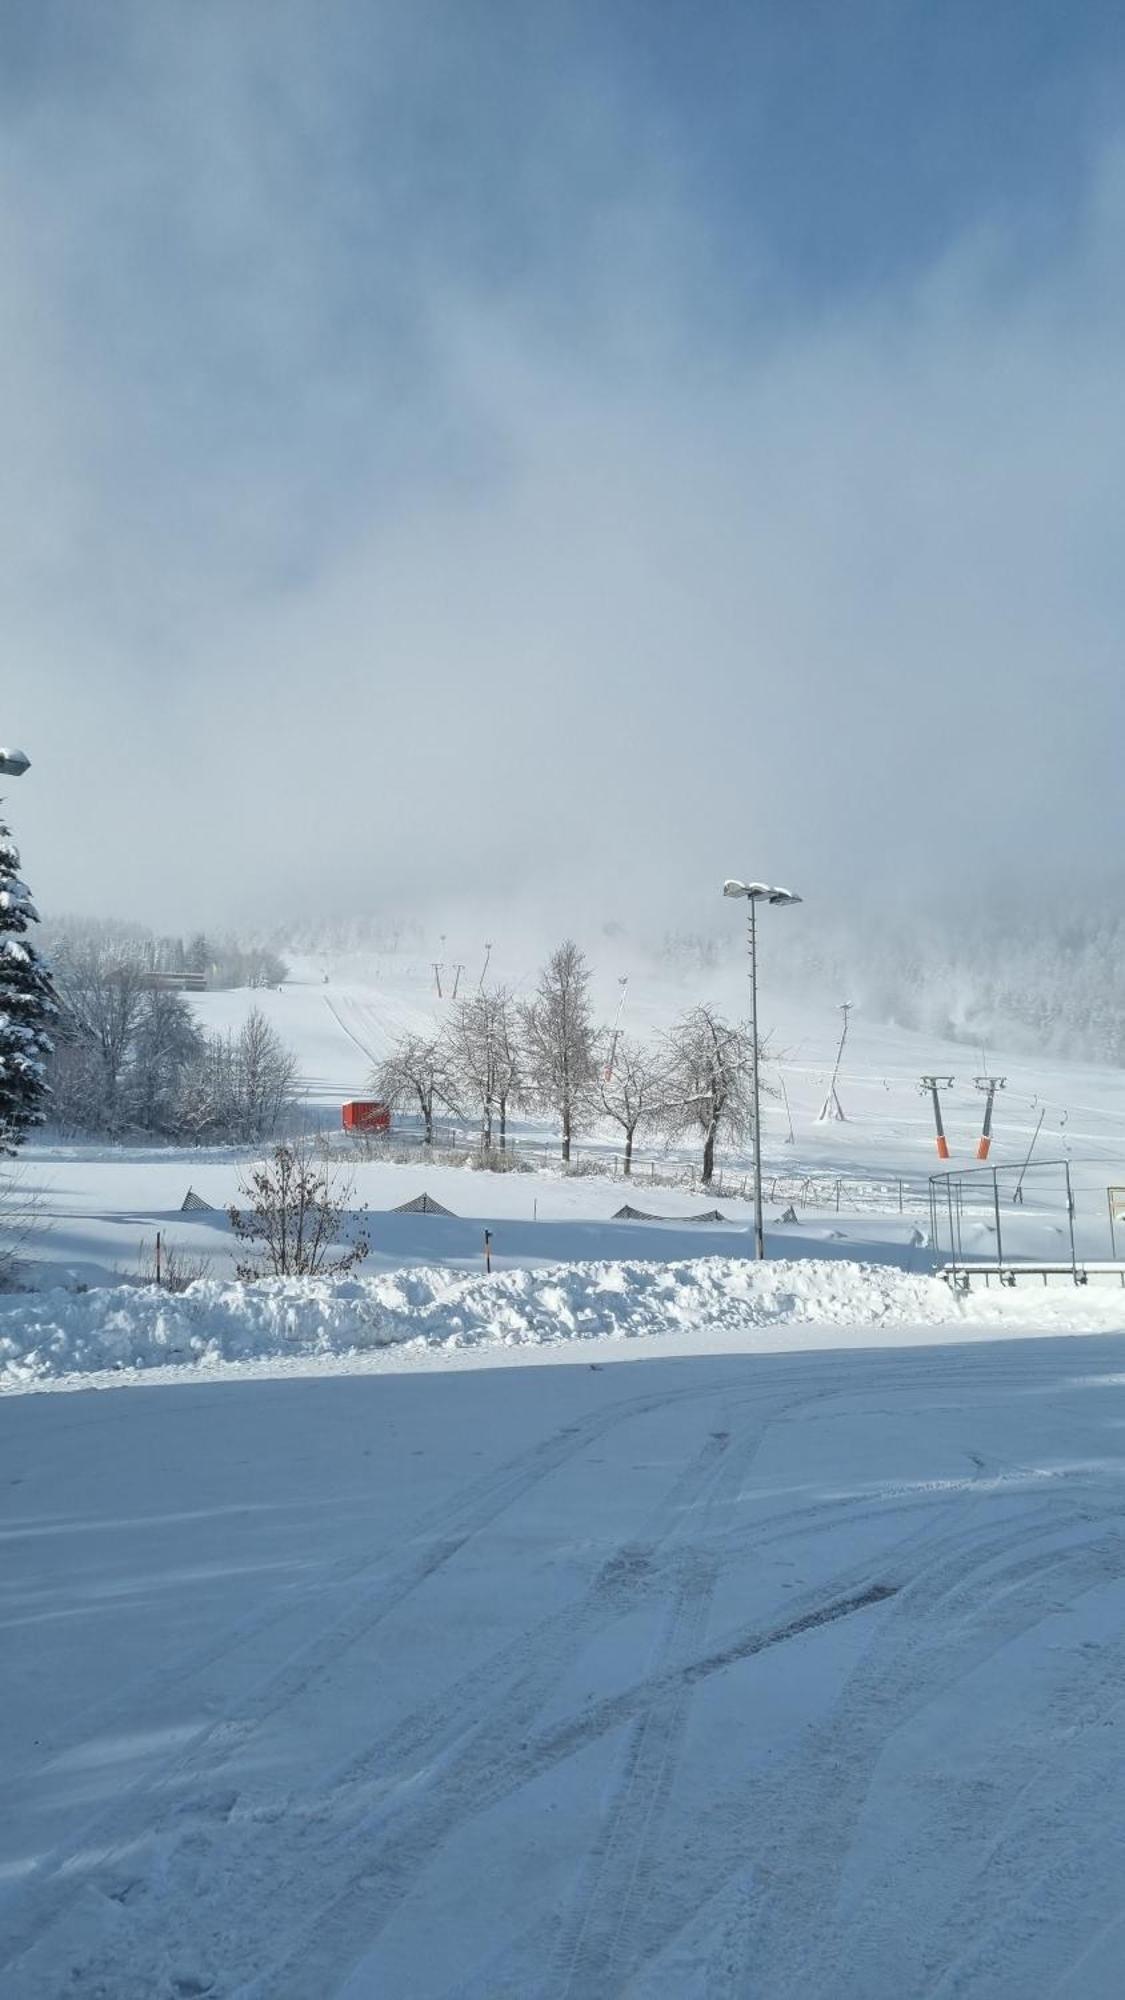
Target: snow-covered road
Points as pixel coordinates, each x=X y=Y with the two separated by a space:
x=783 y=1675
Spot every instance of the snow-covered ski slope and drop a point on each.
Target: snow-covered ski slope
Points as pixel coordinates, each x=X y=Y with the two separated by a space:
x=797 y=1676
x=859 y=1186
x=342 y=1012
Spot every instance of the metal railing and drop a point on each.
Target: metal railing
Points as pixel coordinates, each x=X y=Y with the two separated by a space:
x=975 y=1195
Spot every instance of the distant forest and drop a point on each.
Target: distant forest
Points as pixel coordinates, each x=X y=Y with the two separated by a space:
x=1038 y=981
x=222 y=960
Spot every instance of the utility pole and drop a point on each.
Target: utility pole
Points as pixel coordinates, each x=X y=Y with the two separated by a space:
x=933 y=1084
x=608 y=1073
x=832 y=1107
x=457 y=971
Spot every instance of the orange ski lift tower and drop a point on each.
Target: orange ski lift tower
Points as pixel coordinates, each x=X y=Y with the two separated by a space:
x=990 y=1085
x=933 y=1084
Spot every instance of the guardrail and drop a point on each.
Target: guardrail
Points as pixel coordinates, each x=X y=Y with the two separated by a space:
x=963 y=1276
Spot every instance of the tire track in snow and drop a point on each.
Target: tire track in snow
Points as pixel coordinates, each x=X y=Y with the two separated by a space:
x=349 y=1571
x=785 y=1815
x=1047 y=1823
x=461 y=1739
x=117 y=1712
x=153 y=1803
x=797 y=1824
x=489 y=1770
x=195 y=1773
x=104 y=1842
x=599 y=1946
x=594 y=1951
x=350 y=1924
x=991 y=1611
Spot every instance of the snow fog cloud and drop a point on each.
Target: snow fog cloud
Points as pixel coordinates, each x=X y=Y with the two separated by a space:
x=540 y=455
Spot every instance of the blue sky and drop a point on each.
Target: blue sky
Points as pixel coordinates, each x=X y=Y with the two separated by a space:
x=495 y=378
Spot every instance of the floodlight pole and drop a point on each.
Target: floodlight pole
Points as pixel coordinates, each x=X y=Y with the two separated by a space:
x=752 y=929
x=756 y=892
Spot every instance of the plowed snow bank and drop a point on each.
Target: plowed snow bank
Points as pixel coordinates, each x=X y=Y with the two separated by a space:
x=43 y=1337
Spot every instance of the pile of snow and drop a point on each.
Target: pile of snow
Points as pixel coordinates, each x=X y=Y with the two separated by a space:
x=62 y=1333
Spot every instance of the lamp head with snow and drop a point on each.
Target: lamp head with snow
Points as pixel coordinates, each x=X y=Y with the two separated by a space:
x=759 y=892
x=13 y=763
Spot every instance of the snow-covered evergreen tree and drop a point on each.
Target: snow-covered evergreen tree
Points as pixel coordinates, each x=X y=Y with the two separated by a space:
x=27 y=1006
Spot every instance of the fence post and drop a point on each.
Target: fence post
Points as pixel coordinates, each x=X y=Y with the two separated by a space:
x=1070 y=1217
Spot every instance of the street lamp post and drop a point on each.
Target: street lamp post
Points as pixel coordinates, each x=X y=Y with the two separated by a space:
x=13 y=763
x=755 y=893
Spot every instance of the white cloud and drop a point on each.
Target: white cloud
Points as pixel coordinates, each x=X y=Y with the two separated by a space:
x=339 y=588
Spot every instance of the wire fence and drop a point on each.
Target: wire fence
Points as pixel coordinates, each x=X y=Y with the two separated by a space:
x=827 y=1193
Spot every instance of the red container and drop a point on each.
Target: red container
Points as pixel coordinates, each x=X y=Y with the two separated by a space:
x=365 y=1114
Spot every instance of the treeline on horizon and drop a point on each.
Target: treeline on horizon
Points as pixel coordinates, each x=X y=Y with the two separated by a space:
x=224 y=961
x=1034 y=976
x=129 y=1058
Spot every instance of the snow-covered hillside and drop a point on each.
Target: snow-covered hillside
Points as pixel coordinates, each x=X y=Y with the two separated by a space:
x=857 y=1185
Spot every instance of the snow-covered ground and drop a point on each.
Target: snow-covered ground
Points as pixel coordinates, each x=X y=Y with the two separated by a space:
x=857 y=1187
x=636 y=1620
x=64 y=1339
x=679 y=1674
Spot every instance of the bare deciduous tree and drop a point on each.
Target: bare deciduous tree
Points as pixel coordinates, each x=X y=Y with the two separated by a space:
x=299 y=1211
x=419 y=1070
x=558 y=1041
x=483 y=1058
x=708 y=1070
x=636 y=1091
x=166 y=1039
x=509 y=1069
x=101 y=985
x=266 y=1076
x=22 y=1221
x=237 y=1086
